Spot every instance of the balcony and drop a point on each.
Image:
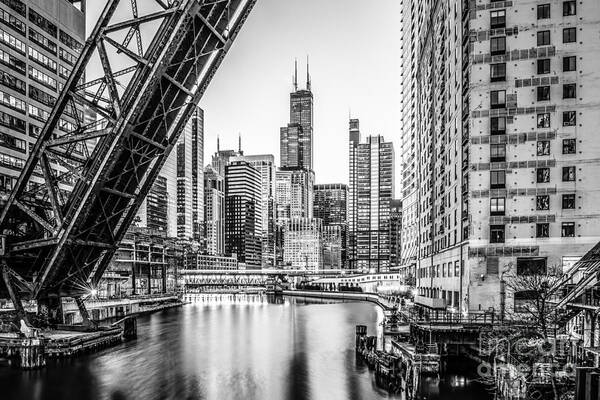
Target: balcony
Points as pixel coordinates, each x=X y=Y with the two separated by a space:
x=430 y=303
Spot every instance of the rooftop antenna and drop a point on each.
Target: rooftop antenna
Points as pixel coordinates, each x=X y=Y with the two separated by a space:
x=240 y=142
x=218 y=144
x=296 y=74
x=307 y=74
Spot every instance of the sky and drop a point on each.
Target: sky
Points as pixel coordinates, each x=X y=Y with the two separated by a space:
x=354 y=52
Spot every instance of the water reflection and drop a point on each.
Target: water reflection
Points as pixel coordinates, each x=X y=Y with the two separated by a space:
x=220 y=347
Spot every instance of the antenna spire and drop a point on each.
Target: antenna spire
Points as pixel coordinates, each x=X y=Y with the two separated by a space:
x=295 y=74
x=218 y=144
x=240 y=142
x=307 y=74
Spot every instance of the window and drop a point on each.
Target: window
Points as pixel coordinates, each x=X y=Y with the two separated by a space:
x=569 y=146
x=12 y=82
x=498 y=99
x=12 y=142
x=497 y=205
x=569 y=63
x=11 y=122
x=542 y=230
x=568 y=201
x=568 y=174
x=531 y=266
x=543 y=11
x=42 y=40
x=543 y=38
x=498 y=72
x=42 y=22
x=12 y=42
x=67 y=57
x=543 y=93
x=497 y=179
x=569 y=91
x=13 y=63
x=42 y=59
x=543 y=175
x=498 y=125
x=498 y=45
x=569 y=8
x=543 y=148
x=568 y=229
x=497 y=233
x=12 y=21
x=542 y=203
x=543 y=120
x=67 y=40
x=498 y=19
x=42 y=78
x=543 y=66
x=569 y=35
x=569 y=118
x=497 y=152
x=41 y=96
x=64 y=72
x=12 y=102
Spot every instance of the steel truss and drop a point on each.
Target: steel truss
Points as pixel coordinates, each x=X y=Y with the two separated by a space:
x=60 y=237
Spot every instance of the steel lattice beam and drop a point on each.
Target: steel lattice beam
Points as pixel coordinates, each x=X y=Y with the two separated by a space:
x=61 y=237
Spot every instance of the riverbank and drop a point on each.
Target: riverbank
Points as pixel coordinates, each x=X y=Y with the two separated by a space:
x=348 y=296
x=116 y=319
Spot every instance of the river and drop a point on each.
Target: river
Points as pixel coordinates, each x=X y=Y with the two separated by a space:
x=221 y=347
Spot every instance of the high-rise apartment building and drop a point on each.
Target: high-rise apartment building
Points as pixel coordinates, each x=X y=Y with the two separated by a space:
x=371 y=188
x=331 y=205
x=214 y=212
x=183 y=174
x=40 y=41
x=396 y=238
x=265 y=164
x=500 y=151
x=243 y=212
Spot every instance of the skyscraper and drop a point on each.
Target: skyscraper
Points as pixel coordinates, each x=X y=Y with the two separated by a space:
x=221 y=158
x=396 y=238
x=371 y=176
x=243 y=213
x=296 y=139
x=183 y=175
x=330 y=205
x=504 y=169
x=214 y=212
x=39 y=45
x=265 y=164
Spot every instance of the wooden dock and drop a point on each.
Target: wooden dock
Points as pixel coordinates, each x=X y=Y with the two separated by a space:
x=30 y=353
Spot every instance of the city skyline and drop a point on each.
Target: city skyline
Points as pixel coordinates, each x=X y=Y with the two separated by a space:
x=250 y=92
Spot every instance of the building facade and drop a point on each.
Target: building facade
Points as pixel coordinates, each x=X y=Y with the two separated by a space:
x=331 y=206
x=243 y=213
x=182 y=179
x=371 y=188
x=265 y=164
x=396 y=238
x=504 y=117
x=213 y=242
x=40 y=41
x=303 y=244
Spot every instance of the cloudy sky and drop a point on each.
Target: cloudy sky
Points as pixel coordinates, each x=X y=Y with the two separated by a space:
x=354 y=50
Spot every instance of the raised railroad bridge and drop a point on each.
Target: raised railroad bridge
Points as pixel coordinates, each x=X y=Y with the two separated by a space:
x=58 y=238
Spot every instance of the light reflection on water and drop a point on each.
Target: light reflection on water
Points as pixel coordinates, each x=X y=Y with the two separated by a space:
x=221 y=347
